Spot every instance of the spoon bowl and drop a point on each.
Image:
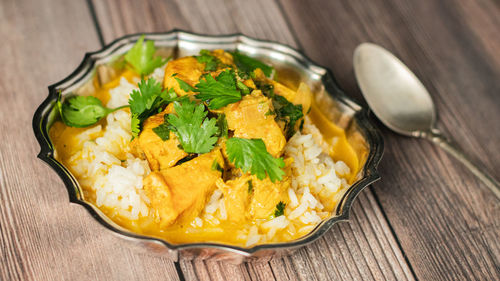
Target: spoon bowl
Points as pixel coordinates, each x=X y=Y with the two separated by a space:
x=396 y=95
x=403 y=104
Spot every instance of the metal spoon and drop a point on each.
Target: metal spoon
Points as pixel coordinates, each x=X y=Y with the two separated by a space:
x=403 y=104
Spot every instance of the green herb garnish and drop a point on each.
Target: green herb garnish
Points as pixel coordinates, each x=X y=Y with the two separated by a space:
x=248 y=64
x=287 y=112
x=196 y=133
x=146 y=101
x=280 y=209
x=216 y=166
x=141 y=57
x=163 y=130
x=218 y=92
x=211 y=62
x=185 y=86
x=267 y=89
x=243 y=88
x=222 y=125
x=83 y=111
x=251 y=155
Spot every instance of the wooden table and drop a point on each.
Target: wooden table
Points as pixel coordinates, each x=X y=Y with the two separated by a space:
x=428 y=218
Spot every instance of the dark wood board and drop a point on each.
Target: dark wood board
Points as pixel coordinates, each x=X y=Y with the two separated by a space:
x=447 y=222
x=42 y=235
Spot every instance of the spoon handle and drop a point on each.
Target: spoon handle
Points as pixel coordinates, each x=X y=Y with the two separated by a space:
x=437 y=137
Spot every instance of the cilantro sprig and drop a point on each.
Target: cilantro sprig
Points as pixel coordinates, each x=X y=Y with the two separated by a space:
x=163 y=130
x=141 y=57
x=223 y=130
x=146 y=101
x=248 y=64
x=83 y=111
x=251 y=155
x=218 y=92
x=280 y=209
x=196 y=133
x=185 y=86
x=288 y=113
x=211 y=62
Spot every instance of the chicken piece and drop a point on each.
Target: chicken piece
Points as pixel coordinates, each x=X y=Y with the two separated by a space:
x=188 y=69
x=161 y=197
x=250 y=118
x=236 y=196
x=159 y=153
x=179 y=193
x=266 y=195
x=249 y=197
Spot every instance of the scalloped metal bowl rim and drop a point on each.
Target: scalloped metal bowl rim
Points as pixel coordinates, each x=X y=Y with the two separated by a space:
x=371 y=134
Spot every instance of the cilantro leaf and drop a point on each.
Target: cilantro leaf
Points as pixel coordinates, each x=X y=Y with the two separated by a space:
x=141 y=57
x=196 y=133
x=163 y=131
x=267 y=89
x=250 y=186
x=248 y=64
x=287 y=112
x=146 y=101
x=251 y=155
x=216 y=166
x=222 y=125
x=169 y=95
x=82 y=111
x=148 y=95
x=185 y=86
x=218 y=92
x=280 y=209
x=211 y=62
x=242 y=87
x=135 y=125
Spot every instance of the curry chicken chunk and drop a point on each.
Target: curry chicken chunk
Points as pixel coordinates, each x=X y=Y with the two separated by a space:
x=187 y=69
x=159 y=153
x=248 y=197
x=180 y=192
x=252 y=118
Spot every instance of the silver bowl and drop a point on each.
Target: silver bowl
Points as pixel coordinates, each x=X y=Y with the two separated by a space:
x=337 y=106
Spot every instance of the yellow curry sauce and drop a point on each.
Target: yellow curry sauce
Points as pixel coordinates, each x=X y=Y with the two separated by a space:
x=66 y=144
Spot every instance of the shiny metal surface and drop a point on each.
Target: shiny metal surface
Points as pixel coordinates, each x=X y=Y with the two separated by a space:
x=403 y=104
x=332 y=100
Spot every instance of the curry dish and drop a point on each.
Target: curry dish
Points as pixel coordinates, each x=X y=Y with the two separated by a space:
x=205 y=148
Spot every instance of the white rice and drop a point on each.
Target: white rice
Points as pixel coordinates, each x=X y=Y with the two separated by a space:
x=158 y=74
x=117 y=95
x=104 y=164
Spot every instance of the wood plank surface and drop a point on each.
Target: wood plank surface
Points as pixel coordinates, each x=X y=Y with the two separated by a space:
x=42 y=236
x=364 y=249
x=447 y=222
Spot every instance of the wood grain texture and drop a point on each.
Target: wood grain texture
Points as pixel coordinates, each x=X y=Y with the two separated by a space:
x=364 y=249
x=42 y=236
x=447 y=222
